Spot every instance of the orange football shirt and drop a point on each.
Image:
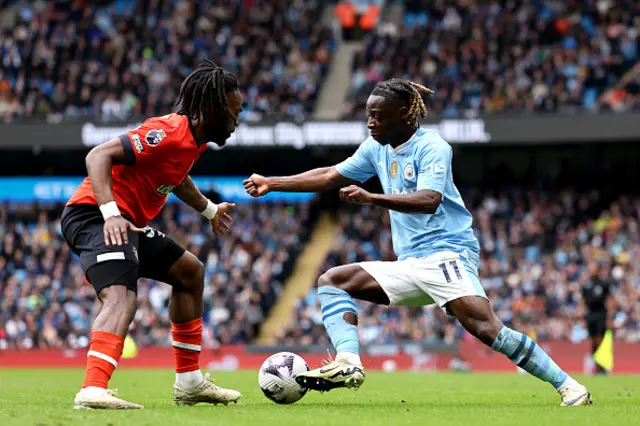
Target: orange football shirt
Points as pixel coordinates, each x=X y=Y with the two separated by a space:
x=160 y=154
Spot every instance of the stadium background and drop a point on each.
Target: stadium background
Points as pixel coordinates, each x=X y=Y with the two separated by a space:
x=539 y=99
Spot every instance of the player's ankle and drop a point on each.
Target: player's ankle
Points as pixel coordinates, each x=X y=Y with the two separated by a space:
x=350 y=357
x=189 y=379
x=569 y=381
x=93 y=390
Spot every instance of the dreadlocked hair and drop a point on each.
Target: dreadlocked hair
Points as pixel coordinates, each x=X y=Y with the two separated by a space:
x=409 y=93
x=203 y=94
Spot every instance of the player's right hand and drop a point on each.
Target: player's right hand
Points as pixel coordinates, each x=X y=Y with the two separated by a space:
x=221 y=221
x=115 y=230
x=257 y=185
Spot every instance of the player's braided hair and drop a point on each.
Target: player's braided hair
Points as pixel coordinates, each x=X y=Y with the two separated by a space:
x=204 y=92
x=408 y=92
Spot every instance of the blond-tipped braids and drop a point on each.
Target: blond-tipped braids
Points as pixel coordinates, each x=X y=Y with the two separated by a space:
x=408 y=92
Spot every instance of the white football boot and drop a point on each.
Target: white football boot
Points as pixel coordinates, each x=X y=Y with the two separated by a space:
x=95 y=398
x=207 y=391
x=574 y=394
x=338 y=373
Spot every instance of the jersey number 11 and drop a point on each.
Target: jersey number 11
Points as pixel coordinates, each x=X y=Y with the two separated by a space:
x=445 y=271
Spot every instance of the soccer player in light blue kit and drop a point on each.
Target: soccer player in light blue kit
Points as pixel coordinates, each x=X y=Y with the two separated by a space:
x=438 y=255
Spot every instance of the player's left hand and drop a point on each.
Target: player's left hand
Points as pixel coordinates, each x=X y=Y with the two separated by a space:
x=355 y=194
x=221 y=221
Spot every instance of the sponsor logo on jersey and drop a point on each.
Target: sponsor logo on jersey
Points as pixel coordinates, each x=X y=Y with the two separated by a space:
x=435 y=168
x=409 y=172
x=402 y=191
x=137 y=143
x=165 y=189
x=393 y=169
x=154 y=137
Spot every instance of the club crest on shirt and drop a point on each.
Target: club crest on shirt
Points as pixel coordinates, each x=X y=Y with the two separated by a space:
x=393 y=169
x=154 y=137
x=409 y=172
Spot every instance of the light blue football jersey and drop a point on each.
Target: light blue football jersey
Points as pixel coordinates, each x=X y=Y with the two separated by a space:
x=423 y=162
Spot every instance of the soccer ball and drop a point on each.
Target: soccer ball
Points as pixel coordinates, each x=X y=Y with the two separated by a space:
x=276 y=377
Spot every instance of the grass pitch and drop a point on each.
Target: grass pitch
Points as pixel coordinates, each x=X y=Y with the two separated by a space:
x=44 y=397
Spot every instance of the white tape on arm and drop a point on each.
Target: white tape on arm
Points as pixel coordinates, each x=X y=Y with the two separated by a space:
x=211 y=211
x=109 y=209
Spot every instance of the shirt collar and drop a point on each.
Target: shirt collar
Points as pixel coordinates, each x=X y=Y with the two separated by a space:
x=405 y=144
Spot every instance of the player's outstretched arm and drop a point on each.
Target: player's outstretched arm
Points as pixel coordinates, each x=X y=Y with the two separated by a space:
x=189 y=194
x=423 y=201
x=218 y=215
x=316 y=180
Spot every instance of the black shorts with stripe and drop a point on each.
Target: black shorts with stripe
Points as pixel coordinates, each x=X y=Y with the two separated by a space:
x=148 y=254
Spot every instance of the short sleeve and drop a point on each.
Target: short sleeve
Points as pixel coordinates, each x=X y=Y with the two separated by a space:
x=145 y=142
x=360 y=166
x=433 y=166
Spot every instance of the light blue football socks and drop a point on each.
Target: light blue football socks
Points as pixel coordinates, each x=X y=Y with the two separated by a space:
x=524 y=352
x=335 y=303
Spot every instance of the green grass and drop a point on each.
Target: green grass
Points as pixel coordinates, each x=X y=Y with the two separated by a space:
x=44 y=397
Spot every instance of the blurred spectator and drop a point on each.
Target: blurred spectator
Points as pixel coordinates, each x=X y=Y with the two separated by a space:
x=358 y=17
x=46 y=302
x=122 y=58
x=536 y=249
x=489 y=57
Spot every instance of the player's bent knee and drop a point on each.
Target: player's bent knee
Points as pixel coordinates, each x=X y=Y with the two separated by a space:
x=190 y=273
x=324 y=279
x=331 y=278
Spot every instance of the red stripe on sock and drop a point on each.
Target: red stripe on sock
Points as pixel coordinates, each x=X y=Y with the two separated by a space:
x=99 y=371
x=190 y=333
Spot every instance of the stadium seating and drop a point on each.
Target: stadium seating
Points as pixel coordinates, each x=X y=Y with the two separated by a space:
x=124 y=58
x=492 y=57
x=46 y=302
x=535 y=250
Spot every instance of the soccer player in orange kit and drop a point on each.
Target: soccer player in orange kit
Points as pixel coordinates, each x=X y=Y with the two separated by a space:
x=105 y=223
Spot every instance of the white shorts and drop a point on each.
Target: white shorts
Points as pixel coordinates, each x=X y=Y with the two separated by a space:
x=439 y=278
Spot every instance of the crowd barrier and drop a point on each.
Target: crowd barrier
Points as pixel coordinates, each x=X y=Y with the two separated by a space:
x=574 y=358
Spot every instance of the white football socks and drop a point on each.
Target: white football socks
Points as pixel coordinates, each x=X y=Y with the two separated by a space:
x=351 y=358
x=93 y=391
x=570 y=382
x=189 y=379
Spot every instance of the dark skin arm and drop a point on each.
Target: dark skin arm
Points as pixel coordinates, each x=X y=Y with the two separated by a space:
x=325 y=178
x=189 y=194
x=424 y=201
x=99 y=162
x=316 y=180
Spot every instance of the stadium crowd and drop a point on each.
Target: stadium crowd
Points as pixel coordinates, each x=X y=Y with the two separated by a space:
x=536 y=251
x=520 y=56
x=124 y=58
x=46 y=302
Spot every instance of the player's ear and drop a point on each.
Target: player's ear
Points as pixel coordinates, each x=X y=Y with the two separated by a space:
x=401 y=113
